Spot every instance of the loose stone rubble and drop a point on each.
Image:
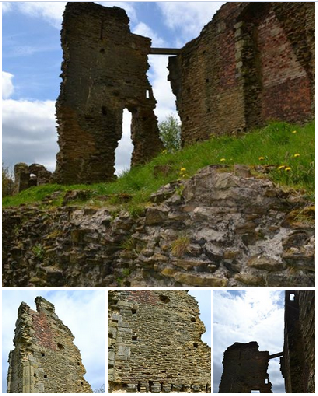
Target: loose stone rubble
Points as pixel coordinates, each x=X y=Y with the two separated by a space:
x=44 y=359
x=154 y=343
x=215 y=229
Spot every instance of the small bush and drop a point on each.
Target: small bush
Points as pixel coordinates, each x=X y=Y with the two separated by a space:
x=170 y=134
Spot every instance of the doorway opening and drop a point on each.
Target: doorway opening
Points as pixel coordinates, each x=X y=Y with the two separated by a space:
x=124 y=150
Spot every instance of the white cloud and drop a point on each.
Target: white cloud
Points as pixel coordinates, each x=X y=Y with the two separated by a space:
x=188 y=18
x=28 y=132
x=7 y=85
x=52 y=12
x=144 y=30
x=82 y=311
x=125 y=148
x=248 y=316
x=127 y=6
x=6 y=6
x=158 y=75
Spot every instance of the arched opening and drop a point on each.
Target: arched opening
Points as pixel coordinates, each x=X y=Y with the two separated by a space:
x=124 y=150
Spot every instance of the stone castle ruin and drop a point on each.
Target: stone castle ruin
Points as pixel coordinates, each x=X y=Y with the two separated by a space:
x=44 y=359
x=253 y=63
x=155 y=343
x=298 y=362
x=245 y=367
x=104 y=71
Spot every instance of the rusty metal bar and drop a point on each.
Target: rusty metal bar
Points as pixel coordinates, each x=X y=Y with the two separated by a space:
x=165 y=51
x=276 y=355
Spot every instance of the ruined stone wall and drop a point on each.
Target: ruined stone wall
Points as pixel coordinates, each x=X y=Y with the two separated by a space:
x=298 y=362
x=104 y=71
x=26 y=176
x=44 y=359
x=155 y=343
x=253 y=63
x=245 y=369
x=224 y=229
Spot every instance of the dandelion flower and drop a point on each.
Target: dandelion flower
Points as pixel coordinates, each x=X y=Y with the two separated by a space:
x=281 y=167
x=261 y=158
x=182 y=169
x=296 y=155
x=222 y=159
x=294 y=132
x=288 y=169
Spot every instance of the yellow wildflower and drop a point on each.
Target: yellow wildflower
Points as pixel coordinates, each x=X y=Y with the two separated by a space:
x=222 y=159
x=282 y=166
x=288 y=169
x=294 y=132
x=182 y=169
x=296 y=155
x=261 y=158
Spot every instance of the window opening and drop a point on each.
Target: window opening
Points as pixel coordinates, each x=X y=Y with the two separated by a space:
x=164 y=299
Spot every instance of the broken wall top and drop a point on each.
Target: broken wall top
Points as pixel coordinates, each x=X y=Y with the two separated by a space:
x=44 y=358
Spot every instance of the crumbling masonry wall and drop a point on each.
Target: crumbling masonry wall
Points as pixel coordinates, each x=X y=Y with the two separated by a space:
x=298 y=362
x=253 y=63
x=104 y=71
x=44 y=359
x=155 y=343
x=245 y=369
x=26 y=176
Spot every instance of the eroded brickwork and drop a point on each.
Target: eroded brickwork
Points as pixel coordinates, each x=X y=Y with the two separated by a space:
x=155 y=343
x=44 y=359
x=26 y=176
x=245 y=369
x=104 y=71
x=224 y=229
x=298 y=362
x=254 y=62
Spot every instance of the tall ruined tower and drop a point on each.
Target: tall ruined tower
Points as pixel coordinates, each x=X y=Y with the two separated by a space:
x=245 y=369
x=104 y=71
x=155 y=343
x=44 y=359
x=298 y=362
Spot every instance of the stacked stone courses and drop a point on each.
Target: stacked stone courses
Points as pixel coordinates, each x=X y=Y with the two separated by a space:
x=104 y=72
x=44 y=359
x=245 y=369
x=298 y=362
x=155 y=343
x=253 y=63
x=239 y=231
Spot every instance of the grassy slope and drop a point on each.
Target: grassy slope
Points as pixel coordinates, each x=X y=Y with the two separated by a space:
x=275 y=145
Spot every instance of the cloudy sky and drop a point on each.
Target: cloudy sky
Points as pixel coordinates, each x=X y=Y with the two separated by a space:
x=82 y=311
x=245 y=316
x=31 y=59
x=204 y=299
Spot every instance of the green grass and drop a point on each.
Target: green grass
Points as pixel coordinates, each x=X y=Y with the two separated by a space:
x=275 y=145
